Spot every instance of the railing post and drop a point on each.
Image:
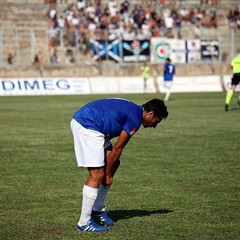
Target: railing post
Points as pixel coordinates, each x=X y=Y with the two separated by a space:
x=232 y=35
x=1 y=47
x=17 y=46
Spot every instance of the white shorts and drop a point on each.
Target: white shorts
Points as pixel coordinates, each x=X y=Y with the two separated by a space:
x=168 y=84
x=89 y=146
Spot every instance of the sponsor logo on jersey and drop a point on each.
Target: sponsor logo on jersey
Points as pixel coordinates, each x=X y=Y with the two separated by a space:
x=133 y=131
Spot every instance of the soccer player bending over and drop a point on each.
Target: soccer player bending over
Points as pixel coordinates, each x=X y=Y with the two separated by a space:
x=93 y=126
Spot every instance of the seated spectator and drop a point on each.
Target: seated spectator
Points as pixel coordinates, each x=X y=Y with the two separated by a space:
x=231 y=19
x=53 y=56
x=69 y=56
x=61 y=22
x=80 y=5
x=197 y=31
x=125 y=6
x=90 y=12
x=205 y=21
x=53 y=12
x=52 y=33
x=184 y=14
x=10 y=58
x=112 y=5
x=213 y=15
x=168 y=23
x=129 y=33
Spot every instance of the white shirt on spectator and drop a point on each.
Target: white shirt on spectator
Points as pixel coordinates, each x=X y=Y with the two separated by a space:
x=80 y=5
x=53 y=13
x=184 y=13
x=61 y=22
x=90 y=11
x=145 y=29
x=168 y=22
x=69 y=16
x=128 y=36
x=197 y=31
x=92 y=26
x=75 y=21
x=112 y=5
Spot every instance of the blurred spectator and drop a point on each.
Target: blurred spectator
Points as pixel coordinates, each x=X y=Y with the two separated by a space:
x=53 y=56
x=213 y=15
x=69 y=56
x=53 y=12
x=203 y=2
x=178 y=25
x=161 y=5
x=10 y=58
x=61 y=22
x=80 y=5
x=168 y=23
x=233 y=17
x=197 y=31
x=184 y=14
x=112 y=5
x=125 y=6
x=52 y=33
x=205 y=20
x=129 y=34
x=37 y=62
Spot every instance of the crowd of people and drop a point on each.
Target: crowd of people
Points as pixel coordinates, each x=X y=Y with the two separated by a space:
x=233 y=17
x=74 y=23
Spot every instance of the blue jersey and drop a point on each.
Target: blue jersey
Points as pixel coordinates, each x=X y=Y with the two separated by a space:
x=169 y=71
x=110 y=116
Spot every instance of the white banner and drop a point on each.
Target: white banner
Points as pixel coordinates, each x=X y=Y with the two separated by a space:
x=193 y=84
x=106 y=85
x=120 y=85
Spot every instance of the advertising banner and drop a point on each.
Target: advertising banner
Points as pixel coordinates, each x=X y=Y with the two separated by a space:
x=209 y=50
x=180 y=51
x=46 y=86
x=162 y=48
x=102 y=49
x=136 y=51
x=108 y=85
x=193 y=50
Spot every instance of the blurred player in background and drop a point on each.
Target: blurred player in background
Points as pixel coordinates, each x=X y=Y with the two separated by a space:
x=145 y=74
x=93 y=126
x=235 y=65
x=168 y=74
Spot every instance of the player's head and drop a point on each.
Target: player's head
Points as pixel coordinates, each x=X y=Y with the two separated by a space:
x=168 y=60
x=154 y=111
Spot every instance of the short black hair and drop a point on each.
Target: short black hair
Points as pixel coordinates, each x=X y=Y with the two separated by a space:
x=157 y=106
x=168 y=59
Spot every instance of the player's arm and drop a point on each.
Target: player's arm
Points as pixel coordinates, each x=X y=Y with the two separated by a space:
x=113 y=157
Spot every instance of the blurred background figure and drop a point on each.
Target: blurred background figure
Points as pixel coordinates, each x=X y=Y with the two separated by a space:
x=145 y=69
x=168 y=74
x=10 y=58
x=235 y=65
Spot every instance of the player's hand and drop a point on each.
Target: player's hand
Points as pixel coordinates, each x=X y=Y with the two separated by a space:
x=109 y=181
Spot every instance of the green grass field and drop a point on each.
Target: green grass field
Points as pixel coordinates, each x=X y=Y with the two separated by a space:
x=178 y=181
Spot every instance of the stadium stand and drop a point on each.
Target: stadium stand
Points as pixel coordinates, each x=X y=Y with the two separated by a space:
x=25 y=29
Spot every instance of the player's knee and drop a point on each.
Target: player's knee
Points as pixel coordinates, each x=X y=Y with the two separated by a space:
x=96 y=175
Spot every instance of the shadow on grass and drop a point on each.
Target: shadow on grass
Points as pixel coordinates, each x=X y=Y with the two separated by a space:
x=126 y=214
x=234 y=109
